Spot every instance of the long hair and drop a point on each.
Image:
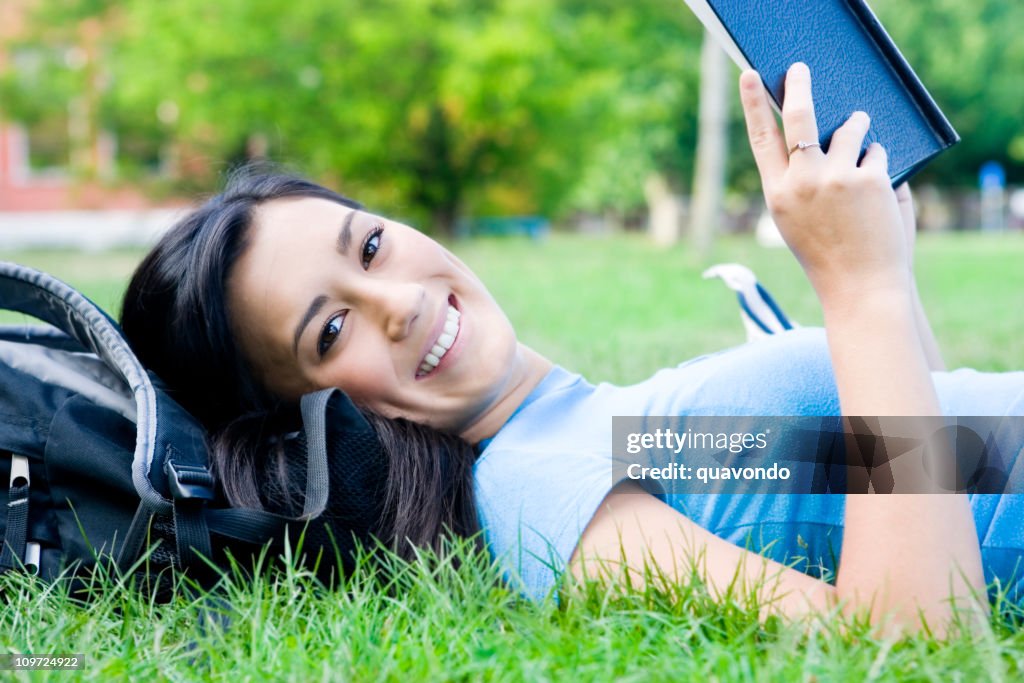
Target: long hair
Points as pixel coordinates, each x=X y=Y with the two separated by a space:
x=177 y=320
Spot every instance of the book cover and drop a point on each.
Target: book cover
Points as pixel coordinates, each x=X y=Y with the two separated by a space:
x=854 y=66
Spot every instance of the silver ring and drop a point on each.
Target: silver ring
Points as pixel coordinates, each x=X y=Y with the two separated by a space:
x=803 y=145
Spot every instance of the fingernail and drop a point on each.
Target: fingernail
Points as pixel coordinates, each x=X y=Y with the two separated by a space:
x=797 y=66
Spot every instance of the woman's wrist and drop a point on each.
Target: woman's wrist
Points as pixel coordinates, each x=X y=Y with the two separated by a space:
x=869 y=312
x=873 y=340
x=891 y=292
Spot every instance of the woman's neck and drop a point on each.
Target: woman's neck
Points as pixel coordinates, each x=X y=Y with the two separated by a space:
x=534 y=367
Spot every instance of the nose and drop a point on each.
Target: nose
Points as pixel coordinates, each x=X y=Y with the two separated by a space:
x=396 y=305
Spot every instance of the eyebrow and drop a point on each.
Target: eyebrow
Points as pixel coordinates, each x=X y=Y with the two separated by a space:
x=344 y=240
x=345 y=236
x=310 y=313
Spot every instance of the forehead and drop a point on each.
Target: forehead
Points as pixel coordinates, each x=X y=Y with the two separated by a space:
x=296 y=217
x=287 y=240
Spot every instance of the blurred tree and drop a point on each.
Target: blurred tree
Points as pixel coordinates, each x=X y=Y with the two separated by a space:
x=428 y=107
x=970 y=57
x=644 y=117
x=709 y=179
x=432 y=109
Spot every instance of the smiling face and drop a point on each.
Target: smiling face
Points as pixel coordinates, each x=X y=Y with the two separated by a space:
x=328 y=296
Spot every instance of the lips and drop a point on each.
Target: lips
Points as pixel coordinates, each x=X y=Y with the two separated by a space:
x=444 y=341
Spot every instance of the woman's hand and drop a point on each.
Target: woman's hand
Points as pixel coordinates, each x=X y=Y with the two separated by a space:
x=902 y=554
x=841 y=219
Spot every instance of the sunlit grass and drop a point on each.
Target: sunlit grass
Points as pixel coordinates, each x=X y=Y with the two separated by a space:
x=618 y=310
x=427 y=621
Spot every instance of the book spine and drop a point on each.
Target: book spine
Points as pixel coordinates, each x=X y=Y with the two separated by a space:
x=708 y=15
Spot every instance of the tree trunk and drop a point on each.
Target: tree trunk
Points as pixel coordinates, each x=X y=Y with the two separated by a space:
x=662 y=210
x=444 y=220
x=712 y=127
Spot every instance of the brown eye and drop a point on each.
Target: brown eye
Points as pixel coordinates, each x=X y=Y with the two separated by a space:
x=330 y=333
x=371 y=245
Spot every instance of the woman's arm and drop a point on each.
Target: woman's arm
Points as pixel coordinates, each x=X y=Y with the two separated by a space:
x=902 y=555
x=924 y=329
x=633 y=531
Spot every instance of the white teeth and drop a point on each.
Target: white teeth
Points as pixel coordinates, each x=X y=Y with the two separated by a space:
x=443 y=343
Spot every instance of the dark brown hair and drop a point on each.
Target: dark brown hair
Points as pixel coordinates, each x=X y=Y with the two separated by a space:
x=176 y=318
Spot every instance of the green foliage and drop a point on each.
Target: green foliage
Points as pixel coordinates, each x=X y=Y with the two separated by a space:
x=970 y=57
x=436 y=109
x=429 y=108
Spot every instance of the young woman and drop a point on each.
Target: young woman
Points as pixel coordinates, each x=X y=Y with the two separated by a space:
x=278 y=287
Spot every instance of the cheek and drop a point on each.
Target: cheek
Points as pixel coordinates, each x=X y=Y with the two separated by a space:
x=366 y=386
x=367 y=376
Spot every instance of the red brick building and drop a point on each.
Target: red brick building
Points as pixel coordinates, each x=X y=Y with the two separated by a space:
x=68 y=161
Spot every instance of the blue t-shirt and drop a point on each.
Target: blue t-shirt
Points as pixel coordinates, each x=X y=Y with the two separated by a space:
x=541 y=478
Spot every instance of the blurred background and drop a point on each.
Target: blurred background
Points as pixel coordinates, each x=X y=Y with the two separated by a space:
x=454 y=114
x=481 y=118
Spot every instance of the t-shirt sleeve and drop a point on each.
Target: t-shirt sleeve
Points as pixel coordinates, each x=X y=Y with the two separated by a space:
x=534 y=506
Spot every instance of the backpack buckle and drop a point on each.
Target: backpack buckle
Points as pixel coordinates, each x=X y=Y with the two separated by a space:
x=19 y=471
x=189 y=481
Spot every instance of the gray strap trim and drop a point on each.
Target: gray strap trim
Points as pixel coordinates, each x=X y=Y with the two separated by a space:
x=314 y=419
x=80 y=372
x=36 y=333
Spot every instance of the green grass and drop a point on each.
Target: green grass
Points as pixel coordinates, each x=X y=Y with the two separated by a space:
x=428 y=622
x=617 y=310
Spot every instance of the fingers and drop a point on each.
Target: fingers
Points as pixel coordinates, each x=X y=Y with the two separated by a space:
x=771 y=147
x=765 y=139
x=848 y=138
x=876 y=160
x=903 y=193
x=798 y=109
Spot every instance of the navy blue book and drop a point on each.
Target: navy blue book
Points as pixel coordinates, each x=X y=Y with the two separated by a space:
x=854 y=66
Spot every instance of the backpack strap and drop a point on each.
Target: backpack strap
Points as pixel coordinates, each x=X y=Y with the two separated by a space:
x=46 y=298
x=314 y=421
x=166 y=436
x=13 y=554
x=42 y=335
x=192 y=486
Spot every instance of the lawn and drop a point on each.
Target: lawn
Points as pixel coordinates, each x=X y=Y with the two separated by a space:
x=615 y=309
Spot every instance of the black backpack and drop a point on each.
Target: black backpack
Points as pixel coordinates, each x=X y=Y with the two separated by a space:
x=104 y=467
